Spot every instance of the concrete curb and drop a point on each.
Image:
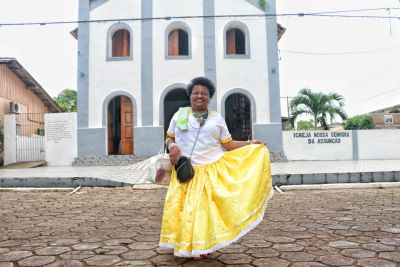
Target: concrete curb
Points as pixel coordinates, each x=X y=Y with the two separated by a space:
x=34 y=189
x=45 y=182
x=337 y=177
x=340 y=186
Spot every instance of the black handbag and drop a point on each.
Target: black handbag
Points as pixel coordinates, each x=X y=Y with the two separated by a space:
x=184 y=168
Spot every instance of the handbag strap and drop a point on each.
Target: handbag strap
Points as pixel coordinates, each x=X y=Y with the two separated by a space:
x=203 y=121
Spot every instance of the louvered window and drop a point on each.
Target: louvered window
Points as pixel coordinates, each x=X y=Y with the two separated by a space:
x=121 y=43
x=178 y=43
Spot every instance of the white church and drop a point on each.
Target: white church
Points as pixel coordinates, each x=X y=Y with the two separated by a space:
x=135 y=58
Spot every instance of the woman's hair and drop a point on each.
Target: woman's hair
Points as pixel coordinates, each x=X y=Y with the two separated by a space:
x=201 y=81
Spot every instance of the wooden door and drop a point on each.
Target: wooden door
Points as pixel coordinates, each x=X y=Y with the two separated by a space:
x=173 y=43
x=126 y=126
x=230 y=42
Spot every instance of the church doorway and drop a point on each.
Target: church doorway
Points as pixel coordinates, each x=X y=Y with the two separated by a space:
x=172 y=102
x=120 y=126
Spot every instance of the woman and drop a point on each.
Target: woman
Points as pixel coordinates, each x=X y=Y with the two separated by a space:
x=227 y=196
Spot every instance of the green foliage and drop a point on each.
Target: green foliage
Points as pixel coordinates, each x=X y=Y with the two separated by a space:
x=318 y=105
x=359 y=122
x=287 y=126
x=40 y=131
x=305 y=125
x=67 y=100
x=1 y=143
x=1 y=133
x=262 y=3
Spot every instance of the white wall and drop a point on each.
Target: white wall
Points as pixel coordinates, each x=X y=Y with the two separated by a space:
x=107 y=77
x=60 y=138
x=10 y=141
x=170 y=71
x=313 y=145
x=366 y=144
x=234 y=73
x=379 y=144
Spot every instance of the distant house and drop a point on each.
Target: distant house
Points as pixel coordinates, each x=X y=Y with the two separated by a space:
x=132 y=74
x=22 y=95
x=386 y=118
x=20 y=92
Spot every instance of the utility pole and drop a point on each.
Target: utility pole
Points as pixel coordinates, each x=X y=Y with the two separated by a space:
x=287 y=103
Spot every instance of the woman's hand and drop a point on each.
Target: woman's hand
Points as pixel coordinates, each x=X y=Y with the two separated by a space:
x=255 y=141
x=174 y=155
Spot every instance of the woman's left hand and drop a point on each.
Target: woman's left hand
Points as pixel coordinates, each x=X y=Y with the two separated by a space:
x=255 y=141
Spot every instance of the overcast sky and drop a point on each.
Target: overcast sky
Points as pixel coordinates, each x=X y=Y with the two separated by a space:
x=360 y=57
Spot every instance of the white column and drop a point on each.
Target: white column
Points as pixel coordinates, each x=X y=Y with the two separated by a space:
x=10 y=139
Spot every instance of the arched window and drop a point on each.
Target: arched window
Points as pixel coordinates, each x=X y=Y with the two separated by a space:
x=121 y=43
x=178 y=43
x=235 y=42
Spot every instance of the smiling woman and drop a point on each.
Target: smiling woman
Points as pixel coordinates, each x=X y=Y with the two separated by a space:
x=227 y=195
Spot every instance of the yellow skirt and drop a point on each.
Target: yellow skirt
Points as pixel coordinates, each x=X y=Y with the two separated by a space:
x=223 y=202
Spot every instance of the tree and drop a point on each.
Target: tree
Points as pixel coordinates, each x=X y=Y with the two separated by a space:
x=67 y=100
x=318 y=105
x=359 y=122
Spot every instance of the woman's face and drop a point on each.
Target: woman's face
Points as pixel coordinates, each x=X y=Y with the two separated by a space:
x=200 y=97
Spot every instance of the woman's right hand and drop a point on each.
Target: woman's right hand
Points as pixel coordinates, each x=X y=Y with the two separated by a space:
x=174 y=155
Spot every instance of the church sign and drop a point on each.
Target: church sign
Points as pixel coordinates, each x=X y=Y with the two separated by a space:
x=323 y=137
x=318 y=145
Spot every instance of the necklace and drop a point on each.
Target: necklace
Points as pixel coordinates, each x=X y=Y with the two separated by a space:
x=202 y=115
x=201 y=118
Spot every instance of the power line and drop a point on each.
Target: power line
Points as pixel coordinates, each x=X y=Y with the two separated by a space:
x=355 y=16
x=355 y=10
x=323 y=13
x=339 y=53
x=368 y=98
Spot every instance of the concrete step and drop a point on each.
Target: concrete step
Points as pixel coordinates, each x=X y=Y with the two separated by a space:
x=108 y=160
x=122 y=160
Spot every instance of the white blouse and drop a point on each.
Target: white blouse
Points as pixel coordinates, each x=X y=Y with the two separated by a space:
x=208 y=148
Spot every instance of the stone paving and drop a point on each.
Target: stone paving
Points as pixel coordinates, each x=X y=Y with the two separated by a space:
x=120 y=227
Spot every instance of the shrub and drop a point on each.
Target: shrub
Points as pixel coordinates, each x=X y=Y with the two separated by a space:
x=359 y=122
x=305 y=125
x=1 y=144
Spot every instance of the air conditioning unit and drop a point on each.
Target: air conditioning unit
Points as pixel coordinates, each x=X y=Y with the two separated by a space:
x=15 y=107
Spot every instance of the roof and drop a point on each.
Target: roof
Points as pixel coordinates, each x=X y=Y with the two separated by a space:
x=31 y=83
x=392 y=109
x=281 y=31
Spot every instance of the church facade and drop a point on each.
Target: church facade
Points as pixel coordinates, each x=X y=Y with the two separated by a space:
x=135 y=58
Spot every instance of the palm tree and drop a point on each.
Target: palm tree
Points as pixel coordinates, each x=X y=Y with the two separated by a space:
x=318 y=105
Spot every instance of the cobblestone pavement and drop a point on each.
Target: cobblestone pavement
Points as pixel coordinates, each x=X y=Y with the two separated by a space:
x=120 y=227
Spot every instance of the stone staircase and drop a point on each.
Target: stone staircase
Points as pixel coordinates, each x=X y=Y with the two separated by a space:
x=277 y=157
x=122 y=160
x=108 y=160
